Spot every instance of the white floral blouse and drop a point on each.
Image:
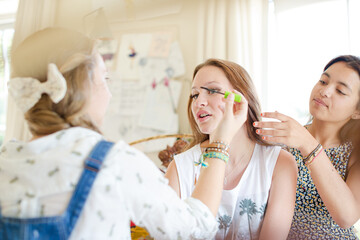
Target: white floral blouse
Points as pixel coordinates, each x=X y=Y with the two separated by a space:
x=37 y=178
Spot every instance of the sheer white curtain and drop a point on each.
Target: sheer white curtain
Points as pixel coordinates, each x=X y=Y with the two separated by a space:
x=236 y=30
x=32 y=15
x=303 y=38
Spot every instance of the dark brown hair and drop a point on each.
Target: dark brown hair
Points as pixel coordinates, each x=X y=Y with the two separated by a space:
x=347 y=132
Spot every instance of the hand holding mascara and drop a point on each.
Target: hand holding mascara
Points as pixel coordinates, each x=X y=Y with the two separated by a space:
x=226 y=94
x=237 y=96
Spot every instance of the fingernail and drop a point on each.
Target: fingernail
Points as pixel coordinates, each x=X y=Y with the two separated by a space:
x=257 y=131
x=254 y=124
x=264 y=138
x=262 y=114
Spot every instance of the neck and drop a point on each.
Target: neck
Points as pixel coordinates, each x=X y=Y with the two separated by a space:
x=241 y=148
x=326 y=133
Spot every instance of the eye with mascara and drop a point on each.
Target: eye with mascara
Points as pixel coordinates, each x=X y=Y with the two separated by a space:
x=212 y=91
x=194 y=96
x=226 y=94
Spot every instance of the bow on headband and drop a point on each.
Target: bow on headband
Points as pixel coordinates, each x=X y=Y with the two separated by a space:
x=27 y=91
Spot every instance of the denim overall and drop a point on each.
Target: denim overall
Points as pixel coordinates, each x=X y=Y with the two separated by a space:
x=58 y=227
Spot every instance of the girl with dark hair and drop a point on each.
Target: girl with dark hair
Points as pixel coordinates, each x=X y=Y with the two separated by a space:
x=328 y=190
x=253 y=204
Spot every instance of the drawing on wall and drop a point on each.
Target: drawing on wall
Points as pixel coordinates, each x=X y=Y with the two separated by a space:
x=145 y=89
x=133 y=47
x=107 y=49
x=159 y=110
x=160 y=44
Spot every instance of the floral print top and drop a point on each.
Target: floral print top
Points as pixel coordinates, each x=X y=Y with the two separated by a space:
x=37 y=178
x=311 y=218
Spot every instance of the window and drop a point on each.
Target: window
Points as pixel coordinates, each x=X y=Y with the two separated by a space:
x=6 y=36
x=7 y=17
x=304 y=36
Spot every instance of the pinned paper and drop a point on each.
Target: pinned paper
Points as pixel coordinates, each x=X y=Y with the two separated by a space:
x=160 y=45
x=133 y=48
x=160 y=106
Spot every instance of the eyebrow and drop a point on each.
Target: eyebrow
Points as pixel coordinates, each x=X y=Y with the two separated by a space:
x=339 y=82
x=326 y=74
x=212 y=90
x=345 y=85
x=208 y=83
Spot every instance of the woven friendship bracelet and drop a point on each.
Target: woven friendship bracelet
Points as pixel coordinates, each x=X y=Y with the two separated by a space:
x=203 y=156
x=218 y=155
x=201 y=162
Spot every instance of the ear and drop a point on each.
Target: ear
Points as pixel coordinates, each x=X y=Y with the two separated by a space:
x=356 y=115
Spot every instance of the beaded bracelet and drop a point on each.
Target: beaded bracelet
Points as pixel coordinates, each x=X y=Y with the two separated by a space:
x=218 y=144
x=218 y=155
x=210 y=149
x=222 y=144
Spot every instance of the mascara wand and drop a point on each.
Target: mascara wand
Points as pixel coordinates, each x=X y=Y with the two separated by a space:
x=226 y=94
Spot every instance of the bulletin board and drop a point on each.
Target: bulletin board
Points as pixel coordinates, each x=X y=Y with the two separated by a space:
x=145 y=70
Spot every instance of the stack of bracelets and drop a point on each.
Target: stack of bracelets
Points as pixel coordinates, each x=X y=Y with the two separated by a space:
x=215 y=149
x=311 y=157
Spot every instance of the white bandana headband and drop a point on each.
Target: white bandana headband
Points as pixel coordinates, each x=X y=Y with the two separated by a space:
x=27 y=91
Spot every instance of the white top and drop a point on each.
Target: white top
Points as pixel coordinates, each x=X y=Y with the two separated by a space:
x=241 y=210
x=38 y=178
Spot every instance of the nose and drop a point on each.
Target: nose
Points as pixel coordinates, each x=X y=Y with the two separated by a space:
x=201 y=100
x=326 y=91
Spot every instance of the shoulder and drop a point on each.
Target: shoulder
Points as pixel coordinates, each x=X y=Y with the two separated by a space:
x=268 y=151
x=123 y=153
x=189 y=155
x=286 y=157
x=75 y=141
x=266 y=155
x=184 y=162
x=286 y=162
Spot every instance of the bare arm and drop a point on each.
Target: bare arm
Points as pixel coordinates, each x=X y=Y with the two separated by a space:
x=341 y=198
x=173 y=177
x=211 y=181
x=281 y=203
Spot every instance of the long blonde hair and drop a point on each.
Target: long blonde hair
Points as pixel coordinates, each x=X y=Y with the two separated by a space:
x=75 y=56
x=242 y=82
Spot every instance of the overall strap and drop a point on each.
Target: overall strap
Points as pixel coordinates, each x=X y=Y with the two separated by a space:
x=92 y=166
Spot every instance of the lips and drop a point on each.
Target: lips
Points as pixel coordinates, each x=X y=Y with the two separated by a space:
x=203 y=115
x=320 y=102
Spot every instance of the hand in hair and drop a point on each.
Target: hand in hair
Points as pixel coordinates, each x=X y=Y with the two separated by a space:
x=286 y=131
